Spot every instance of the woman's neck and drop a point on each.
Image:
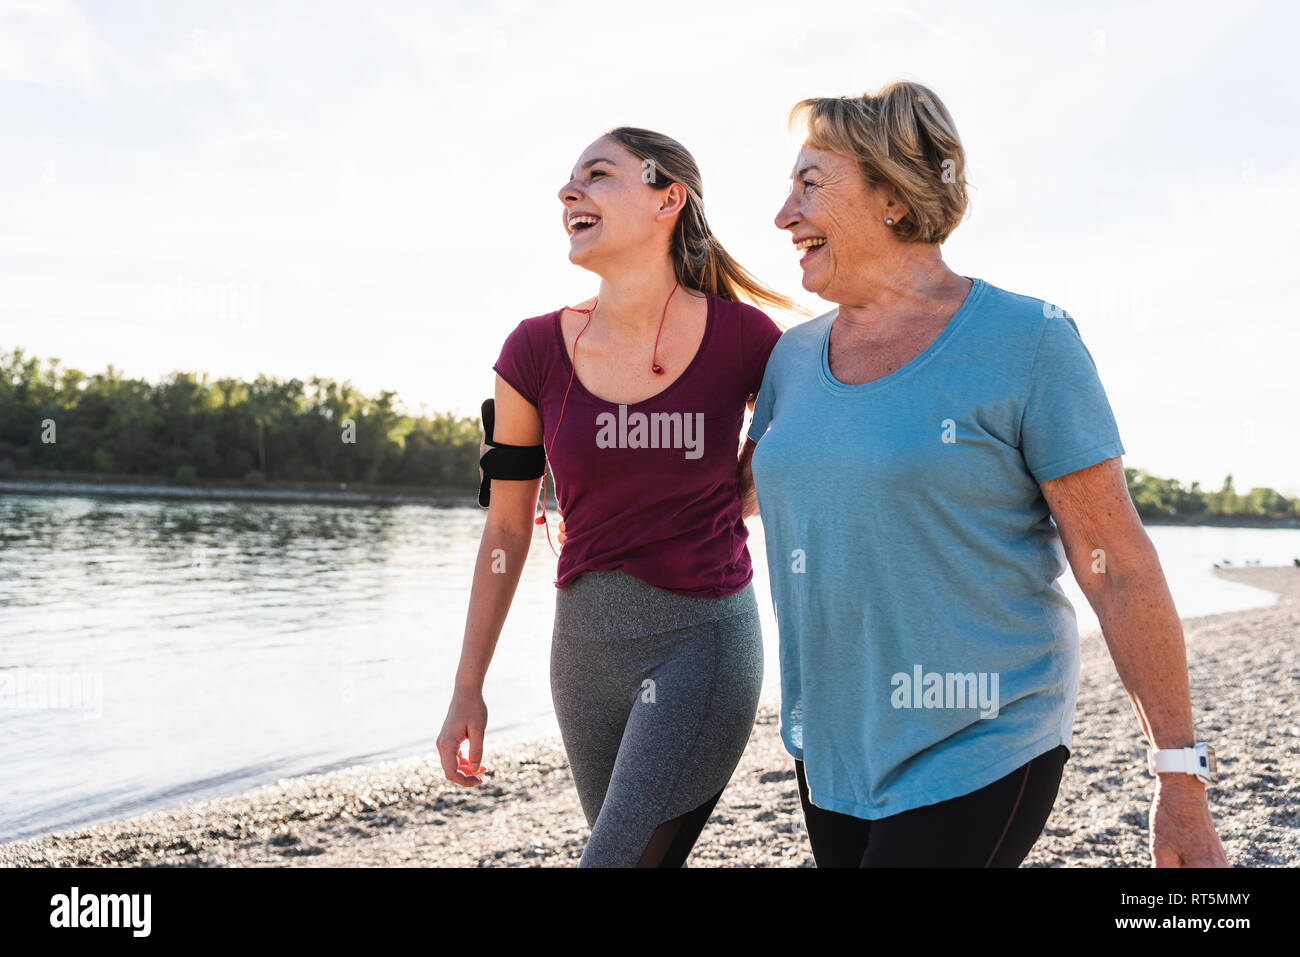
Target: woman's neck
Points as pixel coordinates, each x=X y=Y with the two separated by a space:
x=633 y=301
x=914 y=285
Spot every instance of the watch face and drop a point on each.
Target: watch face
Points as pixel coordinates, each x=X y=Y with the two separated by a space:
x=1209 y=755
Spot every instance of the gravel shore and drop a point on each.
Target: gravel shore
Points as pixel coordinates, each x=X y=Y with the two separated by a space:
x=1245 y=670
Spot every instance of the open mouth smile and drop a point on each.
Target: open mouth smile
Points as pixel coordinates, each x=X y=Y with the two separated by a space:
x=580 y=223
x=809 y=246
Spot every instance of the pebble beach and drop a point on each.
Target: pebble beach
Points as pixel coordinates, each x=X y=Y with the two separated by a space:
x=1245 y=673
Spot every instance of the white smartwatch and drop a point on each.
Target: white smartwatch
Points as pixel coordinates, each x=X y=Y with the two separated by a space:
x=1197 y=760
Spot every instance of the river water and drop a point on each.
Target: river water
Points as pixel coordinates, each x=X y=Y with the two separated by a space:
x=155 y=653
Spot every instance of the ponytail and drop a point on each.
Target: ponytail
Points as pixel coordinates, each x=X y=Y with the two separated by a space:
x=699 y=259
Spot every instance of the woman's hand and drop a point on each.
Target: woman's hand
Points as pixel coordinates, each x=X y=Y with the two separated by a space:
x=466 y=721
x=1182 y=833
x=561 y=534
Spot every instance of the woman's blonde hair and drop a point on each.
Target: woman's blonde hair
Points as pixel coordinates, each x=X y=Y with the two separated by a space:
x=903 y=136
x=698 y=258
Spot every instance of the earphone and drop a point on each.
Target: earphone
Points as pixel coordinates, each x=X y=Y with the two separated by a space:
x=655 y=367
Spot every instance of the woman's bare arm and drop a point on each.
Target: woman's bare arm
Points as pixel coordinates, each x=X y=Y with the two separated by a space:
x=507 y=535
x=1119 y=572
x=748 y=496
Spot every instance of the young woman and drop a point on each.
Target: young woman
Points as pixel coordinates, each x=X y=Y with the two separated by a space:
x=636 y=396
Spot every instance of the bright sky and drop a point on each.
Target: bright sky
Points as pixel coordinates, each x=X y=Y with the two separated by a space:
x=368 y=191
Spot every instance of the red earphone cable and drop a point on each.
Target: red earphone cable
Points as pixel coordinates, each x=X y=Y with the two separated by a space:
x=573 y=371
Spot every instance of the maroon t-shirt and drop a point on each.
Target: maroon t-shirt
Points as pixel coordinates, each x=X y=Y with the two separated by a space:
x=652 y=487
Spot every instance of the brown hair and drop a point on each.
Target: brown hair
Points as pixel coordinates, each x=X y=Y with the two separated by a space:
x=901 y=135
x=698 y=258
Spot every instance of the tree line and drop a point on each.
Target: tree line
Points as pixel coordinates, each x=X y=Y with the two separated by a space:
x=187 y=428
x=1157 y=497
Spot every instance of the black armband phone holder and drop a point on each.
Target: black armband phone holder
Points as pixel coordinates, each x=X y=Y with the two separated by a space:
x=512 y=462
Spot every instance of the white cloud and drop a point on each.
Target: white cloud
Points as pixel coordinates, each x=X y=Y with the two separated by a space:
x=50 y=43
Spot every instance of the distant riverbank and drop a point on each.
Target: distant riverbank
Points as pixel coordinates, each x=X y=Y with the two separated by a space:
x=1224 y=521
x=123 y=486
x=136 y=486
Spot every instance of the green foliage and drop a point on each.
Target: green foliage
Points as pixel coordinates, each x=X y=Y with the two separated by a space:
x=1167 y=498
x=188 y=429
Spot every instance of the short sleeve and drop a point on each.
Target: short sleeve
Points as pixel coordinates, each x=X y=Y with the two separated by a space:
x=763 y=405
x=758 y=336
x=518 y=365
x=1067 y=423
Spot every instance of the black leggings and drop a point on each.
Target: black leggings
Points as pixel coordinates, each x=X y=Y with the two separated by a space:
x=993 y=827
x=673 y=840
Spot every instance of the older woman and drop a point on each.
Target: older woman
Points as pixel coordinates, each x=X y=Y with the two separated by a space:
x=914 y=446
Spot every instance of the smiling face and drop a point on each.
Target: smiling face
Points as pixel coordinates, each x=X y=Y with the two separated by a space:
x=837 y=221
x=609 y=212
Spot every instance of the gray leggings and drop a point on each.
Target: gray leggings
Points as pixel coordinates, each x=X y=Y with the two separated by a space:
x=656 y=695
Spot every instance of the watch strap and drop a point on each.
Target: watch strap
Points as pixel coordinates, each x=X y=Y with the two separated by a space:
x=1197 y=760
x=1165 y=760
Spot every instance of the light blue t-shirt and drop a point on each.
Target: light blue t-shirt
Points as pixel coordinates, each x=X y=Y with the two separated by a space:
x=926 y=648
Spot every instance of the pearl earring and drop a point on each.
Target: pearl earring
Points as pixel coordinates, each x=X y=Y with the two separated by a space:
x=889 y=222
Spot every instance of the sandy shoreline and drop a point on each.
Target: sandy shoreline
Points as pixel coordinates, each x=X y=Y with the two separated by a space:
x=1245 y=669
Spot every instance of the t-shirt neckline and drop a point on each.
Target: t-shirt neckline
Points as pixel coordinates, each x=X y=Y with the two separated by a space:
x=690 y=366
x=967 y=306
